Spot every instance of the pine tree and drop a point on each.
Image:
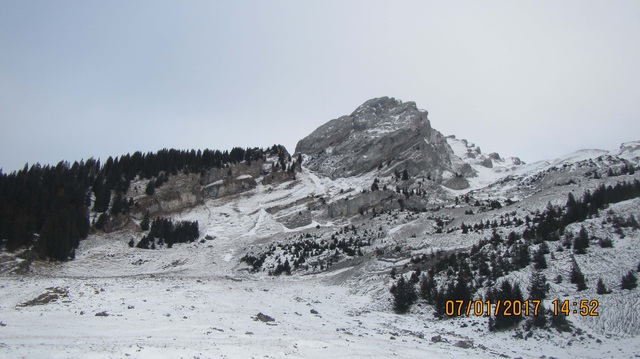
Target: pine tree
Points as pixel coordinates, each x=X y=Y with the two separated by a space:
x=103 y=218
x=374 y=186
x=144 y=224
x=581 y=242
x=144 y=243
x=523 y=258
x=632 y=222
x=506 y=320
x=572 y=213
x=559 y=322
x=461 y=289
x=539 y=262
x=576 y=276
x=428 y=287
x=629 y=281
x=405 y=175
x=538 y=286
x=601 y=288
x=404 y=295
x=118 y=204
x=286 y=267
x=415 y=276
x=151 y=188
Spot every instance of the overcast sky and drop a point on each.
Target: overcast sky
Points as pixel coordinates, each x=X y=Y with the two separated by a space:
x=534 y=79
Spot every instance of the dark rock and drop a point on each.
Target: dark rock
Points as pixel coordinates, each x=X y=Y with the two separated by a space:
x=487 y=163
x=456 y=183
x=464 y=344
x=264 y=318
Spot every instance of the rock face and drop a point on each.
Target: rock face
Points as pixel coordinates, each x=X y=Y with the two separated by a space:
x=378 y=200
x=179 y=192
x=229 y=187
x=382 y=133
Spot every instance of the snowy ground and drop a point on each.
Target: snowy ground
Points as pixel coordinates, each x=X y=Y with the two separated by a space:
x=190 y=302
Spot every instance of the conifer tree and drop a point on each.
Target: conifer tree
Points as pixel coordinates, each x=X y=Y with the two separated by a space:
x=581 y=242
x=538 y=286
x=523 y=258
x=601 y=288
x=415 y=276
x=144 y=224
x=151 y=188
x=629 y=281
x=572 y=213
x=460 y=290
x=539 y=262
x=374 y=186
x=404 y=295
x=428 y=287
x=576 y=277
x=505 y=320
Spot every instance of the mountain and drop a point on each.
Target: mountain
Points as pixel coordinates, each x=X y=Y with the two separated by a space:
x=382 y=133
x=349 y=247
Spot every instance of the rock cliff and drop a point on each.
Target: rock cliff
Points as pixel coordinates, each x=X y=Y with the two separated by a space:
x=383 y=133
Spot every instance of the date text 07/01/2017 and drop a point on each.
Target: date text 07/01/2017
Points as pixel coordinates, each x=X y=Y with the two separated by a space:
x=518 y=307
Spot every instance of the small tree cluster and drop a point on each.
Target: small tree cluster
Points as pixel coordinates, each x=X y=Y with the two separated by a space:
x=404 y=295
x=165 y=231
x=504 y=319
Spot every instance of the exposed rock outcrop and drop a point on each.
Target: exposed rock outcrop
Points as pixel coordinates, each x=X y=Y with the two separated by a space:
x=254 y=169
x=229 y=186
x=382 y=131
x=296 y=219
x=180 y=191
x=456 y=183
x=378 y=200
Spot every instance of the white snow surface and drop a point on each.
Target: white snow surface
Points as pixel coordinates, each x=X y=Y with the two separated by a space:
x=190 y=302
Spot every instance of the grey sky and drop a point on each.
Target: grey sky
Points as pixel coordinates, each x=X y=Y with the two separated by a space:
x=535 y=79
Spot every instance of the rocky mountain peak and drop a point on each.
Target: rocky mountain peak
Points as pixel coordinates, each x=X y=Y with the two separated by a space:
x=384 y=134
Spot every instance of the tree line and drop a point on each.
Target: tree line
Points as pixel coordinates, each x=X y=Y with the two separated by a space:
x=48 y=207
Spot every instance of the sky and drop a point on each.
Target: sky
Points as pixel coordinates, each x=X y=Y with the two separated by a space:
x=533 y=79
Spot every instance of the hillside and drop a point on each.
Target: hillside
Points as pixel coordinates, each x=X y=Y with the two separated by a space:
x=297 y=255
